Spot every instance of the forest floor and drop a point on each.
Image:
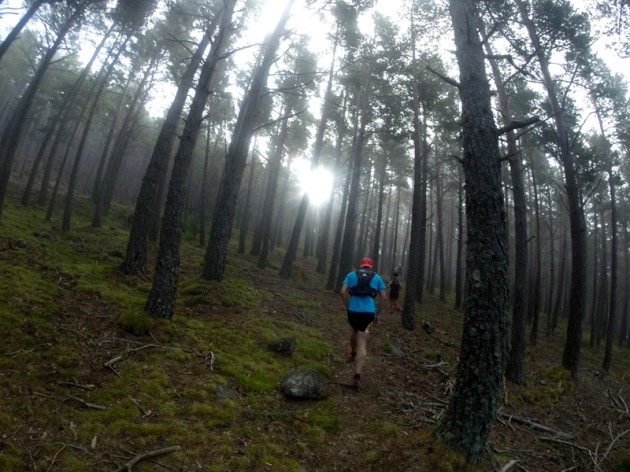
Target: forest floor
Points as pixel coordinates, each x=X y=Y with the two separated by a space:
x=87 y=382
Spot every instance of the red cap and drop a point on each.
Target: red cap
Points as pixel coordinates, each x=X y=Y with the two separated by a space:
x=366 y=262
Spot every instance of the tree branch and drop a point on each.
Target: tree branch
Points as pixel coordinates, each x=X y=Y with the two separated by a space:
x=147 y=455
x=517 y=125
x=448 y=80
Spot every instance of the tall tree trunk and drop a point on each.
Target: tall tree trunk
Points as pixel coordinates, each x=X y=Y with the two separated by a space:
x=62 y=167
x=596 y=268
x=612 y=311
x=292 y=248
x=67 y=213
x=376 y=243
x=161 y=300
x=333 y=282
x=116 y=160
x=216 y=252
x=273 y=171
x=459 y=270
x=515 y=365
x=203 y=194
x=15 y=32
x=56 y=128
x=349 y=233
x=246 y=214
x=414 y=271
x=468 y=419
x=440 y=235
x=136 y=255
x=571 y=353
x=625 y=312
x=536 y=285
x=13 y=132
x=325 y=233
x=97 y=190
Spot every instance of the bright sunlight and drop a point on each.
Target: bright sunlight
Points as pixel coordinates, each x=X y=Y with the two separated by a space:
x=317 y=183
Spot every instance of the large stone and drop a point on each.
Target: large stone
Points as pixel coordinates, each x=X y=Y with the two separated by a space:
x=304 y=384
x=284 y=346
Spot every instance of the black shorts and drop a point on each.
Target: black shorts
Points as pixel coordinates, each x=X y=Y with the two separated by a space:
x=360 y=321
x=393 y=296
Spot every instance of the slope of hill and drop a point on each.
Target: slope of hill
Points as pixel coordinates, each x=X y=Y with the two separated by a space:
x=89 y=383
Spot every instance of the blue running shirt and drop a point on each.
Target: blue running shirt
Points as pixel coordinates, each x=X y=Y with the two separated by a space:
x=361 y=304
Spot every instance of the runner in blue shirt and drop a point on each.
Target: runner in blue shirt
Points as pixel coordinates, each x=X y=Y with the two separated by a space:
x=359 y=291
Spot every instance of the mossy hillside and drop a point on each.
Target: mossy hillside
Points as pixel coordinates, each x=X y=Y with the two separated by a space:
x=165 y=387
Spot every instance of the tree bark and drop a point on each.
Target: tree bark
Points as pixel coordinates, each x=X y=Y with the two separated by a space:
x=273 y=172
x=161 y=300
x=571 y=353
x=15 y=32
x=515 y=365
x=13 y=132
x=471 y=412
x=216 y=252
x=292 y=248
x=136 y=254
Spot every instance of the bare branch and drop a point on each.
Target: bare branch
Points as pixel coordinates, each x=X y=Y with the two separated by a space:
x=518 y=124
x=147 y=455
x=448 y=80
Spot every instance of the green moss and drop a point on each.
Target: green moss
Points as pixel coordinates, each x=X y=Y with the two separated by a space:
x=373 y=455
x=10 y=463
x=299 y=300
x=324 y=417
x=137 y=322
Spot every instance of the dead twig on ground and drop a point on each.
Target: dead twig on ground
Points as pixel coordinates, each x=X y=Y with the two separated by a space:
x=614 y=440
x=147 y=455
x=52 y=462
x=534 y=425
x=86 y=403
x=144 y=411
x=76 y=385
x=509 y=465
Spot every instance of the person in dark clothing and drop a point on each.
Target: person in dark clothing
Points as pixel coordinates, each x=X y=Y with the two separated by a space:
x=394 y=287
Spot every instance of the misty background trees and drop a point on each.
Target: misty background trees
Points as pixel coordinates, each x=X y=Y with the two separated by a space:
x=215 y=119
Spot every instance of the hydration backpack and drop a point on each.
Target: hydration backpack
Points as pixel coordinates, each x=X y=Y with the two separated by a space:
x=394 y=287
x=363 y=289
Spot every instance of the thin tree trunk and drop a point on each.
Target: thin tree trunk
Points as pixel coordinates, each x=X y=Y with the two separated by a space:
x=325 y=233
x=273 y=172
x=333 y=282
x=216 y=252
x=136 y=254
x=515 y=365
x=349 y=233
x=15 y=32
x=459 y=270
x=161 y=300
x=292 y=248
x=571 y=353
x=535 y=296
x=12 y=135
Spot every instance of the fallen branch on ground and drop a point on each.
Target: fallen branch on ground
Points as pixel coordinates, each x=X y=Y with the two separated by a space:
x=533 y=425
x=82 y=387
x=509 y=465
x=87 y=404
x=147 y=455
x=140 y=407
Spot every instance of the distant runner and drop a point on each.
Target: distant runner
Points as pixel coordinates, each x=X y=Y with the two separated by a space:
x=394 y=287
x=359 y=291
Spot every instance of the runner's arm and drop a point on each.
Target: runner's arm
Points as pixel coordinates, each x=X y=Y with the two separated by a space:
x=345 y=296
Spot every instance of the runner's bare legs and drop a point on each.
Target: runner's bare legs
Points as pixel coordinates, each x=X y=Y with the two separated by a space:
x=358 y=341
